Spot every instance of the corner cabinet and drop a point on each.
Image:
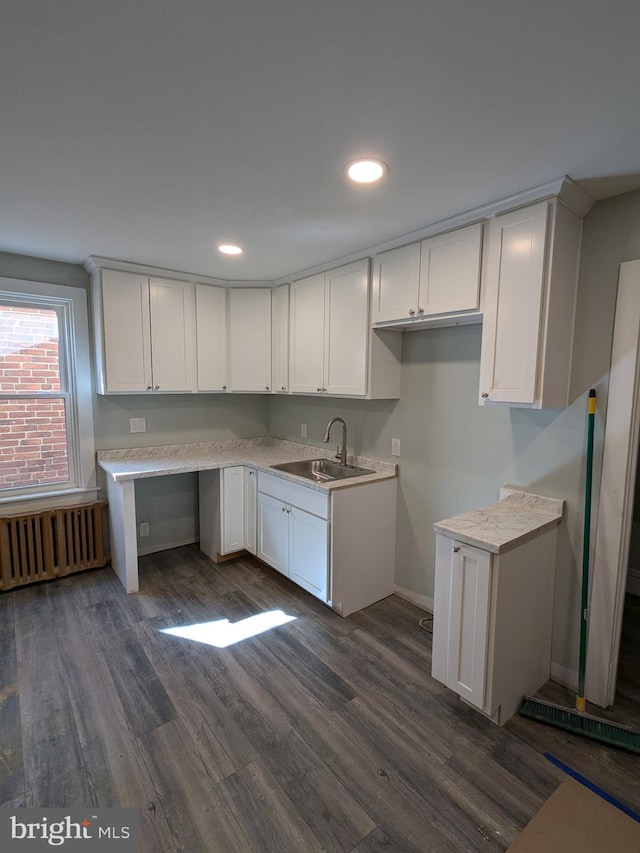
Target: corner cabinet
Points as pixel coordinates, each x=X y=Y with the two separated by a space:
x=492 y=622
x=529 y=296
x=436 y=281
x=332 y=350
x=144 y=329
x=250 y=339
x=280 y=338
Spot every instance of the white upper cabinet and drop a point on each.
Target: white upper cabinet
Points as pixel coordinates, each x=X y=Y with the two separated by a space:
x=172 y=306
x=280 y=338
x=211 y=337
x=307 y=349
x=331 y=351
x=529 y=293
x=430 y=280
x=250 y=339
x=145 y=333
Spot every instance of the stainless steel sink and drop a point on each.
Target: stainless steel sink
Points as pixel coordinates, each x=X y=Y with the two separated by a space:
x=321 y=470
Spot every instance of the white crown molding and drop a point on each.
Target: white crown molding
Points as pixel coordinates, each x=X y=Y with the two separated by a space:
x=564 y=189
x=95 y=262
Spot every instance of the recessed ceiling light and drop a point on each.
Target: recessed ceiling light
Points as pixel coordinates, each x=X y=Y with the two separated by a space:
x=229 y=249
x=366 y=171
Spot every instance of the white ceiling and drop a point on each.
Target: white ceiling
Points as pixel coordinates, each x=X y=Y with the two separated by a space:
x=150 y=130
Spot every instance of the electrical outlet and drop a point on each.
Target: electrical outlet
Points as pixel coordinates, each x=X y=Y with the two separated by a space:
x=395 y=447
x=303 y=430
x=144 y=529
x=137 y=424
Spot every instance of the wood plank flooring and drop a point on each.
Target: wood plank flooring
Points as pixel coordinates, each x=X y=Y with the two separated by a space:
x=321 y=734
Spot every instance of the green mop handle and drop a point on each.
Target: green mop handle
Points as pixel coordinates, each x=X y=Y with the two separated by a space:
x=591 y=417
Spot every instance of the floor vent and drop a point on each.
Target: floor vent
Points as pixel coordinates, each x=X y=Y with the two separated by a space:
x=50 y=544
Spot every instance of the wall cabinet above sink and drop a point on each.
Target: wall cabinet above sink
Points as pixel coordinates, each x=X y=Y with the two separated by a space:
x=435 y=282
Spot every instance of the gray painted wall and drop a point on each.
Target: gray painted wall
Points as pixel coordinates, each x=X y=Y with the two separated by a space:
x=455 y=455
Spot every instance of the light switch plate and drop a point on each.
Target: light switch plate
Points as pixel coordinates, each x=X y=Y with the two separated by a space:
x=303 y=430
x=395 y=447
x=137 y=424
x=144 y=529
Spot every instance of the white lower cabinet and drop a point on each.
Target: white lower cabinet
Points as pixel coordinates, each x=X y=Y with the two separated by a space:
x=226 y=511
x=293 y=533
x=492 y=621
x=324 y=540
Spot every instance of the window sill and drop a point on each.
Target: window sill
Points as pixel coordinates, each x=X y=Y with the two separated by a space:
x=18 y=505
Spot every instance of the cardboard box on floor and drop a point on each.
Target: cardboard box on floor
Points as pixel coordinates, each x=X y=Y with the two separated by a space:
x=576 y=819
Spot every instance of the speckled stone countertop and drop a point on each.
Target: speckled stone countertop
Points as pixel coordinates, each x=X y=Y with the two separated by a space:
x=261 y=453
x=497 y=527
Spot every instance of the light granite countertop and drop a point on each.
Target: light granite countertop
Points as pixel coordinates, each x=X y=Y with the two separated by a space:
x=497 y=527
x=261 y=453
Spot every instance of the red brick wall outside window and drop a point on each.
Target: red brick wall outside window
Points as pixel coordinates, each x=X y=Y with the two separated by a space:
x=33 y=428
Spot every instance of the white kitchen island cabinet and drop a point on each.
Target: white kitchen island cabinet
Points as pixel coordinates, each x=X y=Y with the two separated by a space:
x=144 y=329
x=529 y=293
x=493 y=605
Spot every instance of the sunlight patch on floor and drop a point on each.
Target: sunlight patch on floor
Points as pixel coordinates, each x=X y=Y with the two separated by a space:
x=222 y=633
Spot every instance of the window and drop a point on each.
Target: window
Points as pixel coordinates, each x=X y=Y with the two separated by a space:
x=46 y=424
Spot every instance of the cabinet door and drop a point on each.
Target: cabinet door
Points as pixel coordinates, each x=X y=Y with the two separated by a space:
x=347 y=329
x=273 y=533
x=211 y=338
x=125 y=326
x=513 y=293
x=307 y=335
x=172 y=306
x=469 y=622
x=450 y=271
x=280 y=338
x=396 y=276
x=308 y=552
x=232 y=502
x=250 y=339
x=250 y=509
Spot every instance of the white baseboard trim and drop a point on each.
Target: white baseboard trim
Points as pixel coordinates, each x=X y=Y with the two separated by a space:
x=565 y=676
x=154 y=549
x=422 y=601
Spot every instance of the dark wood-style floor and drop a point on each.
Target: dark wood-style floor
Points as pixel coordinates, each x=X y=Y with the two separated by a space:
x=322 y=734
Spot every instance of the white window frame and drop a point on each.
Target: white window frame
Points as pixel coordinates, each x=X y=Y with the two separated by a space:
x=70 y=303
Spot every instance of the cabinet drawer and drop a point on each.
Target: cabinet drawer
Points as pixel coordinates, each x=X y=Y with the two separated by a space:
x=304 y=498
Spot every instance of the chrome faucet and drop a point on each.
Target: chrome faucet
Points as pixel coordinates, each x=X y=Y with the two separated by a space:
x=342 y=454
